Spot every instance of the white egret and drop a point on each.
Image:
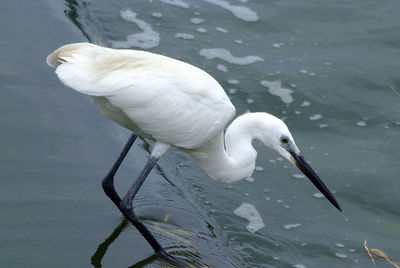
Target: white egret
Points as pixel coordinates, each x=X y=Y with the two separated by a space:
x=176 y=104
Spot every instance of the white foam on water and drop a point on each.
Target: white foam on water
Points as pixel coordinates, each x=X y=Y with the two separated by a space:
x=201 y=30
x=299 y=266
x=240 y=12
x=249 y=179
x=184 y=36
x=196 y=20
x=298 y=176
x=232 y=90
x=145 y=40
x=318 y=195
x=315 y=117
x=341 y=255
x=178 y=3
x=305 y=104
x=361 y=124
x=275 y=88
x=222 y=30
x=222 y=68
x=226 y=55
x=156 y=14
x=291 y=226
x=233 y=81
x=259 y=168
x=250 y=213
x=278 y=45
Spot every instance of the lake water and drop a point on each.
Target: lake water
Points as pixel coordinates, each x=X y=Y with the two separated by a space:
x=330 y=69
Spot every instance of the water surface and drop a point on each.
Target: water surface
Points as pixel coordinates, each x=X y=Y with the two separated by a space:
x=329 y=69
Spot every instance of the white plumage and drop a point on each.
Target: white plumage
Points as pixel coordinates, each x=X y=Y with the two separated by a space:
x=176 y=104
x=164 y=98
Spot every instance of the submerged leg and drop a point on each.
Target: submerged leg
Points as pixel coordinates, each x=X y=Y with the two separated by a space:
x=125 y=205
x=127 y=209
x=108 y=181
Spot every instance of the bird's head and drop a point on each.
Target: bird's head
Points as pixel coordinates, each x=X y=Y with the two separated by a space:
x=274 y=133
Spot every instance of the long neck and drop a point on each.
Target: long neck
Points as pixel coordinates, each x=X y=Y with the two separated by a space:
x=232 y=157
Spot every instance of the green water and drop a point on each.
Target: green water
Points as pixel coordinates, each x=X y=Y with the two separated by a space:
x=340 y=59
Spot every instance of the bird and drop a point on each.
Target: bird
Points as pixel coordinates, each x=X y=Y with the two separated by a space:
x=175 y=104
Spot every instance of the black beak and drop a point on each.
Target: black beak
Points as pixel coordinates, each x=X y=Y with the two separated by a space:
x=304 y=167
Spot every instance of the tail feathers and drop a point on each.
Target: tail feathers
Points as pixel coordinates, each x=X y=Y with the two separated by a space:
x=71 y=53
x=75 y=67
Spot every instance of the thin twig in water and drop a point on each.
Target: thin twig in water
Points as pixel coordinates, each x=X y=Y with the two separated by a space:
x=379 y=253
x=369 y=253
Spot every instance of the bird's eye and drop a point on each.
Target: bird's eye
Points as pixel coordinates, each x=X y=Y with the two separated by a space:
x=284 y=140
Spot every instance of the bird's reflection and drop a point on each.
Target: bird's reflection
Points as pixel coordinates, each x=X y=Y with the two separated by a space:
x=73 y=8
x=101 y=251
x=103 y=247
x=186 y=257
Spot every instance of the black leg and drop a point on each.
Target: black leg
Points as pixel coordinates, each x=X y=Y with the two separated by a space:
x=127 y=209
x=108 y=181
x=125 y=205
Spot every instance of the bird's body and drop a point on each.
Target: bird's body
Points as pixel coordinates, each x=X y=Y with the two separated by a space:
x=176 y=104
x=166 y=99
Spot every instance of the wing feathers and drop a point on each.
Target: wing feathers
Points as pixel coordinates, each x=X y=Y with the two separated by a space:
x=172 y=101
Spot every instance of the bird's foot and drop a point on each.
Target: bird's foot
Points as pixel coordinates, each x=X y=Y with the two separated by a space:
x=169 y=258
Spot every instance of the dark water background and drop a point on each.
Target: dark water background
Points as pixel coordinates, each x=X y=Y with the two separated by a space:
x=340 y=59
